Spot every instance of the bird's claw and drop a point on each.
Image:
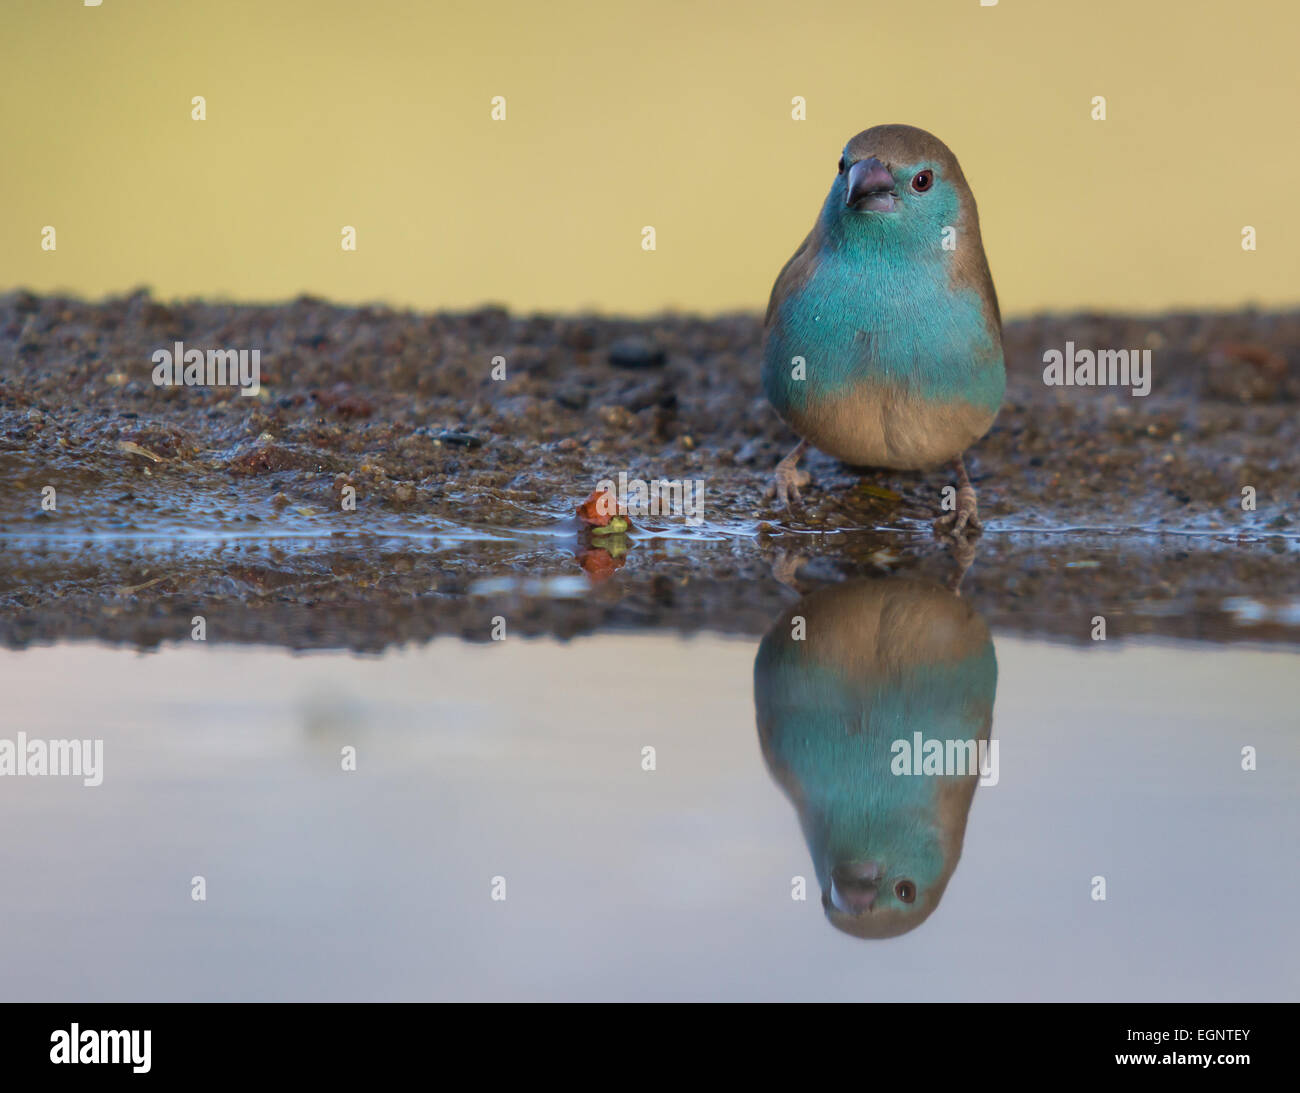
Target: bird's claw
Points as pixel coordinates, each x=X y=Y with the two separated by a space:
x=955 y=524
x=964 y=518
x=785 y=485
x=786 y=565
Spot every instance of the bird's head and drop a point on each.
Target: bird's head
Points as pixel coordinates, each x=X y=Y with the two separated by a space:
x=896 y=182
x=884 y=895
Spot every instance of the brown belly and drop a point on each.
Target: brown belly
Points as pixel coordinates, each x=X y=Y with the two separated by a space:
x=875 y=427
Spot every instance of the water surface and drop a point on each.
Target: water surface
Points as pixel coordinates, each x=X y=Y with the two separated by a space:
x=522 y=759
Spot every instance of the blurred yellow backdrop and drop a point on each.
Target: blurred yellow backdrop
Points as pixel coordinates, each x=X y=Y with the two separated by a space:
x=674 y=114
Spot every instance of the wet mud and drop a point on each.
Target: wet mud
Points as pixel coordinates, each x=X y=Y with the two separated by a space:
x=176 y=501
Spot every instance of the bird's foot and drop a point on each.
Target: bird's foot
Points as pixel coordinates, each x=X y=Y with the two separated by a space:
x=785 y=485
x=789 y=478
x=785 y=567
x=963 y=555
x=964 y=519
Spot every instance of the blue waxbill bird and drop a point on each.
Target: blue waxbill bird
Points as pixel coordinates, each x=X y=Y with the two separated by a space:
x=842 y=683
x=883 y=338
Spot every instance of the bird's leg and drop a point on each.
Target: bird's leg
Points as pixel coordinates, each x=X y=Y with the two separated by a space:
x=963 y=554
x=789 y=478
x=966 y=514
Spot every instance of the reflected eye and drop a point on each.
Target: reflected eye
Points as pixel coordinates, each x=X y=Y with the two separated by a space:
x=842 y=165
x=905 y=890
x=923 y=181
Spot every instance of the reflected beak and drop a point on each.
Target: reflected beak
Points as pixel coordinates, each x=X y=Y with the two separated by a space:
x=854 y=887
x=870 y=187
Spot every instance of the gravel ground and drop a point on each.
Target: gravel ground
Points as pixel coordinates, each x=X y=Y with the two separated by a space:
x=175 y=501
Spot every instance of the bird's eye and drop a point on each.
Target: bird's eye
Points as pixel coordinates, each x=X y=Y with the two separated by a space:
x=905 y=890
x=842 y=164
x=923 y=181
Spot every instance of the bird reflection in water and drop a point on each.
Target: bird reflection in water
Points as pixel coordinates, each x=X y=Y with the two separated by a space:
x=844 y=682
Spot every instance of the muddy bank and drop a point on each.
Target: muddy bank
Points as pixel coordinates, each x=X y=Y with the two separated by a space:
x=176 y=500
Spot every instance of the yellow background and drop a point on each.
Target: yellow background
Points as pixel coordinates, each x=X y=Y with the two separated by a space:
x=323 y=113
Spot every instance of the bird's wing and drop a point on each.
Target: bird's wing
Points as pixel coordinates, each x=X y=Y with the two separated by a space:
x=793 y=274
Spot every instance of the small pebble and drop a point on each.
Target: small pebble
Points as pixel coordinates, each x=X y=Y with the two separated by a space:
x=459 y=439
x=636 y=352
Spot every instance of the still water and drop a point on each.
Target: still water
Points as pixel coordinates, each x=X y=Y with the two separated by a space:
x=517 y=768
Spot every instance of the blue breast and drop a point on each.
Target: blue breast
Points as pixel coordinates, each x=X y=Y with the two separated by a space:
x=875 y=319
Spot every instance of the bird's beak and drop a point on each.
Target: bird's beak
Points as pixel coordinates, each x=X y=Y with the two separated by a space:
x=870 y=187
